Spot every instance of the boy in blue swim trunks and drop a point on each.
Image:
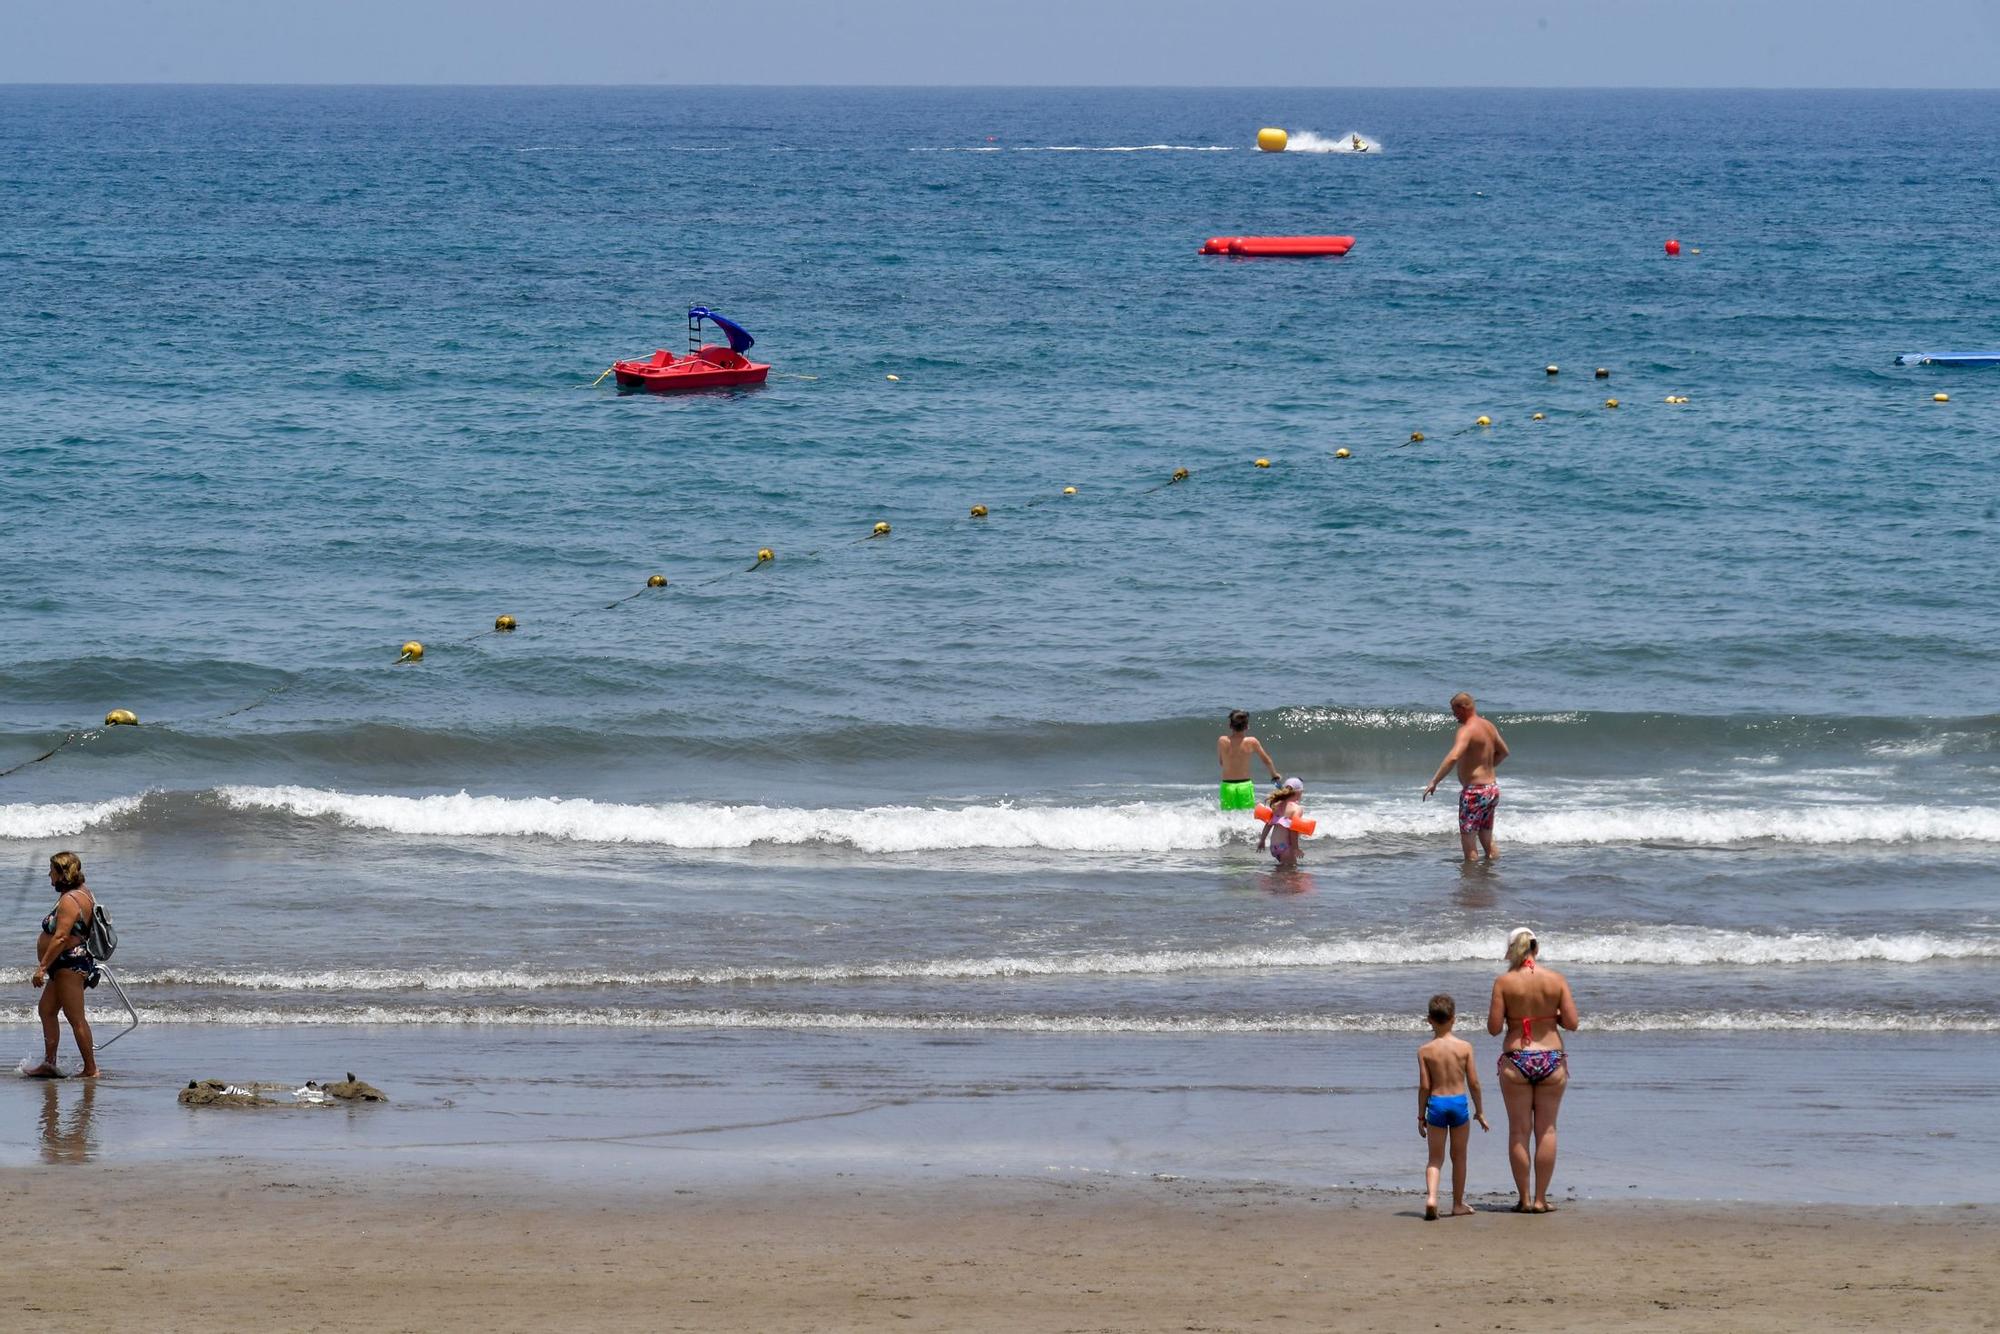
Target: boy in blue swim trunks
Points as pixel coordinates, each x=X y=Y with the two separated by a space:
x=1445 y=1075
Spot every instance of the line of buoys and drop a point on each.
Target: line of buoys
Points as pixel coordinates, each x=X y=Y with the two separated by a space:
x=413 y=650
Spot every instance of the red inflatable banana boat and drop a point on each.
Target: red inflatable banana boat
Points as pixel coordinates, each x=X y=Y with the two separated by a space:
x=1258 y=247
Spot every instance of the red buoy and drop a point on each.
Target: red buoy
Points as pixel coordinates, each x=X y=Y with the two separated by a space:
x=1673 y=247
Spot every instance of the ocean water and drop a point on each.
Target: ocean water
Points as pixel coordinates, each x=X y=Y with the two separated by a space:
x=295 y=375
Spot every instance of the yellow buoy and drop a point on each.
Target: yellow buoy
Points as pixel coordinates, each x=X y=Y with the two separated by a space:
x=881 y=530
x=765 y=554
x=1416 y=437
x=1263 y=463
x=1342 y=454
x=1602 y=373
x=1484 y=421
x=121 y=718
x=1539 y=417
x=1610 y=402
x=1180 y=475
x=1940 y=398
x=978 y=511
x=656 y=581
x=412 y=652
x=1552 y=369
x=1069 y=490
x=504 y=623
x=1272 y=139
x=896 y=378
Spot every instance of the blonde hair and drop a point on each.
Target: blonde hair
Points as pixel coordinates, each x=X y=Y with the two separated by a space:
x=68 y=870
x=1521 y=944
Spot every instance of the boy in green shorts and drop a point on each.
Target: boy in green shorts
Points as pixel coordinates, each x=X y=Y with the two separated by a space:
x=1233 y=751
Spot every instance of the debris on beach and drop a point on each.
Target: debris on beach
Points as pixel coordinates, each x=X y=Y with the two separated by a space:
x=220 y=1093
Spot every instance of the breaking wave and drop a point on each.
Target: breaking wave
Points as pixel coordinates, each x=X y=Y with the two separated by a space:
x=1671 y=1021
x=1643 y=947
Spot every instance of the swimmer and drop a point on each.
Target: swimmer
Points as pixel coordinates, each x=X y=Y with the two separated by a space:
x=1233 y=751
x=1445 y=1078
x=1287 y=804
x=1477 y=752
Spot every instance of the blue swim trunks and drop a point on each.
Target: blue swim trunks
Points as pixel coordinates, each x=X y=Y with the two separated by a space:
x=1447 y=1112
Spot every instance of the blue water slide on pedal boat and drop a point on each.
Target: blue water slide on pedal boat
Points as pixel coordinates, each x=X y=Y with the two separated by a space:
x=1991 y=358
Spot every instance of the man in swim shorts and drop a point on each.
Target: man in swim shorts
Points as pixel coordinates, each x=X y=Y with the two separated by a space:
x=1476 y=753
x=1233 y=751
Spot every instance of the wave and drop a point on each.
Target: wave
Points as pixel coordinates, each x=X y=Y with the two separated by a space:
x=61 y=819
x=1675 y=1021
x=1082 y=148
x=1663 y=946
x=1319 y=738
x=1573 y=817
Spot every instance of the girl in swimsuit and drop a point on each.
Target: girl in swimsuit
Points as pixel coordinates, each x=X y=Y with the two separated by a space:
x=1531 y=1008
x=63 y=962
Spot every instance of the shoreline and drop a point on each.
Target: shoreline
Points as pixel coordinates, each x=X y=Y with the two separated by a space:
x=170 y=1245
x=1650 y=1117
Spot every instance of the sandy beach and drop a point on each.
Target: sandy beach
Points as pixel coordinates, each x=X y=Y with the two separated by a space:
x=243 y=1245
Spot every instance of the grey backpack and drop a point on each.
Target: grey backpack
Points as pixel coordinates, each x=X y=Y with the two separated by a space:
x=102 y=937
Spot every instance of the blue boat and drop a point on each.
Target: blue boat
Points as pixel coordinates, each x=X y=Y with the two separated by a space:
x=1949 y=359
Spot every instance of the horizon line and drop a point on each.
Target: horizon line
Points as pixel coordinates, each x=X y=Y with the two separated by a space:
x=1025 y=87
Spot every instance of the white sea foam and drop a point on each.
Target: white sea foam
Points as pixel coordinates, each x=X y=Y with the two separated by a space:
x=59 y=819
x=1643 y=946
x=1133 y=827
x=1677 y=1021
x=1305 y=141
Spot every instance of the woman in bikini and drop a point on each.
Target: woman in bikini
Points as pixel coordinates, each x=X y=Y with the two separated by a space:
x=63 y=963
x=1531 y=1006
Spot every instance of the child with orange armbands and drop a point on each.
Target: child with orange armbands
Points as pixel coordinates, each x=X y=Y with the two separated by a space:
x=1285 y=823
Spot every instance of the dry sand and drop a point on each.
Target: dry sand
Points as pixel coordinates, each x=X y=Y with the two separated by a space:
x=241 y=1245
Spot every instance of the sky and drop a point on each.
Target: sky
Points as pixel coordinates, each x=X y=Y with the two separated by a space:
x=1238 y=43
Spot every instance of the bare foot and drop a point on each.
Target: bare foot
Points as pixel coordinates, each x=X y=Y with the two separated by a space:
x=1461 y=1211
x=1430 y=1212
x=1521 y=1207
x=88 y=1072
x=46 y=1070
x=1542 y=1207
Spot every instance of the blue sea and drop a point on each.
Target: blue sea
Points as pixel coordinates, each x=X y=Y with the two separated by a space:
x=291 y=376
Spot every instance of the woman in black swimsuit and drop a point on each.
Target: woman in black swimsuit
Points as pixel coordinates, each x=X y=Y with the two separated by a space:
x=64 y=963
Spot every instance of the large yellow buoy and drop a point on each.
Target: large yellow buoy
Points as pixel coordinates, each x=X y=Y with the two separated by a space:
x=978 y=511
x=121 y=718
x=656 y=581
x=1263 y=463
x=412 y=652
x=1069 y=490
x=1940 y=398
x=1484 y=421
x=882 y=529
x=1540 y=416
x=1343 y=454
x=503 y=624
x=1272 y=139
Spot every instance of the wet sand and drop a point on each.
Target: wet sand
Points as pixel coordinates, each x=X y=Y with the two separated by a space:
x=249 y=1244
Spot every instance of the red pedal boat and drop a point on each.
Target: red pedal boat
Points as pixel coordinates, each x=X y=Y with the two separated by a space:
x=701 y=367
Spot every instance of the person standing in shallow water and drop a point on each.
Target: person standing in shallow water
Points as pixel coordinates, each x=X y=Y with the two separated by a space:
x=1233 y=751
x=1476 y=753
x=1531 y=1007
x=64 y=969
